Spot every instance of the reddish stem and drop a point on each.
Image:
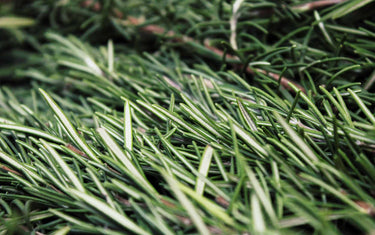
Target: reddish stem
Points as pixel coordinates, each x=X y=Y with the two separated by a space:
x=156 y=29
x=10 y=170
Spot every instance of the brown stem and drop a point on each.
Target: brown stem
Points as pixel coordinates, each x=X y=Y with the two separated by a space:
x=283 y=80
x=10 y=170
x=370 y=210
x=222 y=201
x=156 y=29
x=77 y=151
x=54 y=188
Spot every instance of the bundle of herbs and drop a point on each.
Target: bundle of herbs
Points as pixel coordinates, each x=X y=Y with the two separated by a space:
x=185 y=117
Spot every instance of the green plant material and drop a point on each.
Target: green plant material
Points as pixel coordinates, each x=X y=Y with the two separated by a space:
x=185 y=202
x=68 y=126
x=10 y=22
x=204 y=168
x=347 y=8
x=173 y=117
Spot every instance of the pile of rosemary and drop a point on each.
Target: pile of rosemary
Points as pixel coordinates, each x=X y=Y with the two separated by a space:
x=186 y=117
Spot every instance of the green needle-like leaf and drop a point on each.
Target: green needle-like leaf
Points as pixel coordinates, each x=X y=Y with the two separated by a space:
x=187 y=204
x=68 y=127
x=203 y=168
x=69 y=174
x=103 y=208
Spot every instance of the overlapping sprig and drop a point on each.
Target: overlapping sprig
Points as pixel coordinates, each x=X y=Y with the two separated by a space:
x=108 y=140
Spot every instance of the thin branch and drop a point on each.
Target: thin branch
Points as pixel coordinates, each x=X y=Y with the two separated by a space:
x=155 y=29
x=10 y=170
x=309 y=6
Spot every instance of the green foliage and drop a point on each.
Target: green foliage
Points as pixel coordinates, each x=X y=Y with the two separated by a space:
x=112 y=126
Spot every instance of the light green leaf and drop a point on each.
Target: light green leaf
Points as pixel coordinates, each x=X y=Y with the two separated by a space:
x=15 y=22
x=204 y=166
x=108 y=211
x=68 y=127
